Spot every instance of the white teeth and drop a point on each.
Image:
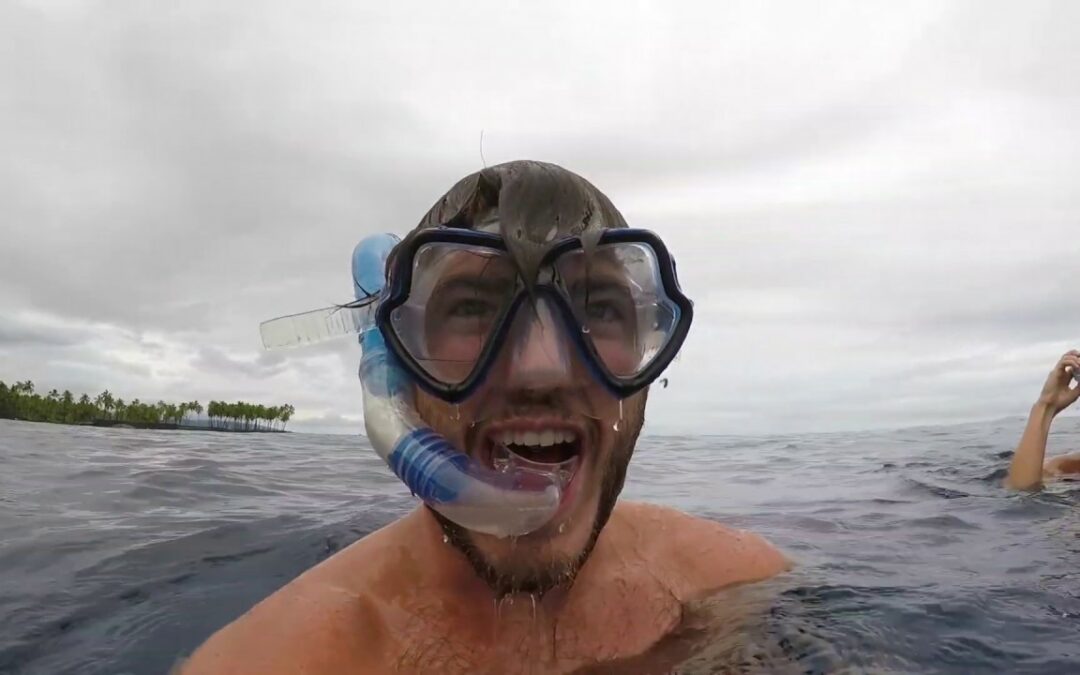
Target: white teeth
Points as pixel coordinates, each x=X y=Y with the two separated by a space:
x=542 y=438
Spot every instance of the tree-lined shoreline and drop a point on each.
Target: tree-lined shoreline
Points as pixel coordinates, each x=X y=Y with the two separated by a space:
x=20 y=401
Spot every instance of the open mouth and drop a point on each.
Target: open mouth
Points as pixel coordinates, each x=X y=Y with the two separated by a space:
x=550 y=446
x=552 y=453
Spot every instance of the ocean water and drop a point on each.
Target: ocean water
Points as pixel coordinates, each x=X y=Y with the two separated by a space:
x=121 y=550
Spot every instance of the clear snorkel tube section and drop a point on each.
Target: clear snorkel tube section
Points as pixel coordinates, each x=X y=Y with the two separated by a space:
x=513 y=501
x=473 y=496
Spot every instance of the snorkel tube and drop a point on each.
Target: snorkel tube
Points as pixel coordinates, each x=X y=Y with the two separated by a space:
x=513 y=501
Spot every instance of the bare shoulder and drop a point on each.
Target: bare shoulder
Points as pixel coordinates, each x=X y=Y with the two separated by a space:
x=324 y=621
x=1063 y=466
x=697 y=556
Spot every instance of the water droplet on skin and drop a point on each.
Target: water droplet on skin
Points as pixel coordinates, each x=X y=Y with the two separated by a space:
x=456 y=413
x=585 y=329
x=562 y=528
x=446 y=539
x=618 y=421
x=533 y=598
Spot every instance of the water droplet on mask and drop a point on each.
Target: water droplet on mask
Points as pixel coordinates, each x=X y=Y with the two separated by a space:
x=585 y=329
x=446 y=539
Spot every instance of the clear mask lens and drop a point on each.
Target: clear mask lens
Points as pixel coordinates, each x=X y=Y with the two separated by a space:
x=460 y=294
x=618 y=296
x=457 y=298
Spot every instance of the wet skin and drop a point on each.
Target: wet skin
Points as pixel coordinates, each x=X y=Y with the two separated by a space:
x=1028 y=470
x=603 y=582
x=402 y=600
x=599 y=583
x=408 y=598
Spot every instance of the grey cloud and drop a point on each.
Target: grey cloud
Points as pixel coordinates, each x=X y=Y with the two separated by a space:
x=18 y=334
x=331 y=423
x=263 y=366
x=848 y=185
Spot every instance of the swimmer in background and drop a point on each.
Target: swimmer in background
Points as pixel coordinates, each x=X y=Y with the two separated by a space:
x=605 y=580
x=1027 y=471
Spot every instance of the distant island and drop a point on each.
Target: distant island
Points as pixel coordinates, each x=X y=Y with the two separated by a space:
x=20 y=402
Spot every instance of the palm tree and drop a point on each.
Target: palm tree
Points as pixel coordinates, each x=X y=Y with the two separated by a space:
x=19 y=400
x=104 y=402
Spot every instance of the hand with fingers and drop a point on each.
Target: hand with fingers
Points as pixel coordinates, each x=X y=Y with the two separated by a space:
x=1027 y=471
x=1060 y=392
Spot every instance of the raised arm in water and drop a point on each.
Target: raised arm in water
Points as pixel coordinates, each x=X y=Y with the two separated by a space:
x=1027 y=470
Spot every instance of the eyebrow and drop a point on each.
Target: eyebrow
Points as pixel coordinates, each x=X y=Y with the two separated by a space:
x=599 y=272
x=595 y=285
x=603 y=261
x=471 y=283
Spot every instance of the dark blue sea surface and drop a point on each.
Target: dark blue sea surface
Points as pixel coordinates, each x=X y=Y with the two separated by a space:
x=121 y=550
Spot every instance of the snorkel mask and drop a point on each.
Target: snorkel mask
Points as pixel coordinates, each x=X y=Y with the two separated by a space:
x=450 y=304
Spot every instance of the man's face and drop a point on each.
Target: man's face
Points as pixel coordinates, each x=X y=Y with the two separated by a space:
x=539 y=400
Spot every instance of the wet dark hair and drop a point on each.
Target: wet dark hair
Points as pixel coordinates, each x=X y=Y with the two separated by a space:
x=534 y=204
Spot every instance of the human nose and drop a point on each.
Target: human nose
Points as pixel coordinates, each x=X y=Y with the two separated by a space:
x=539 y=358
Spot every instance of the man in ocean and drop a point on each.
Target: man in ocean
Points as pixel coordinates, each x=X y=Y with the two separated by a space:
x=603 y=581
x=1027 y=470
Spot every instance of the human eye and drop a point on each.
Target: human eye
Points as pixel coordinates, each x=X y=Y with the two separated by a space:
x=471 y=308
x=604 y=311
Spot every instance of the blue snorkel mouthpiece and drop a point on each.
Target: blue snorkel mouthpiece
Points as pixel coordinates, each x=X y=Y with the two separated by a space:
x=511 y=501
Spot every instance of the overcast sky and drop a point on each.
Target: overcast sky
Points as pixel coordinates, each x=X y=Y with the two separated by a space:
x=874 y=205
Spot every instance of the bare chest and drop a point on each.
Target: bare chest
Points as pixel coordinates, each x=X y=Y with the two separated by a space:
x=518 y=636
